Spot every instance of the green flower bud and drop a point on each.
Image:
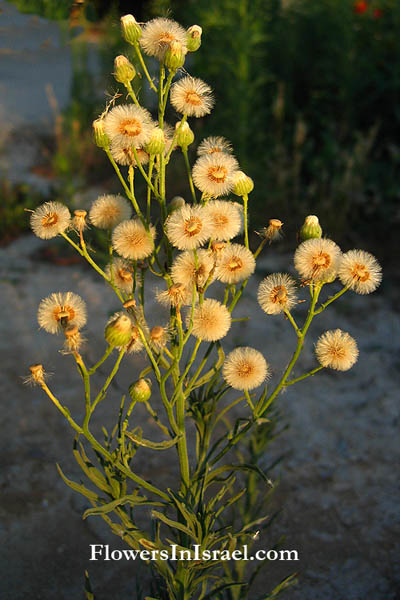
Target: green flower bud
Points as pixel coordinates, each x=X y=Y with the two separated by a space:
x=100 y=136
x=193 y=40
x=131 y=30
x=156 y=143
x=118 y=331
x=124 y=71
x=140 y=390
x=175 y=56
x=311 y=228
x=185 y=135
x=242 y=184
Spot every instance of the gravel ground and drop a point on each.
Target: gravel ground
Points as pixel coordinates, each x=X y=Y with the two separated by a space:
x=339 y=483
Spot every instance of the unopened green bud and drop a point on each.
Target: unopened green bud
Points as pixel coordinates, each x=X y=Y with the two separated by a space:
x=140 y=390
x=156 y=143
x=185 y=135
x=100 y=136
x=311 y=228
x=118 y=330
x=175 y=56
x=124 y=71
x=242 y=184
x=193 y=40
x=131 y=30
x=176 y=202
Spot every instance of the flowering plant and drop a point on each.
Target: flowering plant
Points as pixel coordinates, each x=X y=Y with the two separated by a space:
x=191 y=248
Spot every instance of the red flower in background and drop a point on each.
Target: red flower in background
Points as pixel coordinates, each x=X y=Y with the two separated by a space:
x=377 y=13
x=360 y=7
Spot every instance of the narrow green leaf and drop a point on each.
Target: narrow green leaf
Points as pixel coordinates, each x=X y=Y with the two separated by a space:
x=153 y=445
x=171 y=523
x=78 y=487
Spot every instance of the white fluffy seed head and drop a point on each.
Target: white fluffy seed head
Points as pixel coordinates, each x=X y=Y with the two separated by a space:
x=211 y=321
x=121 y=272
x=185 y=271
x=158 y=34
x=235 y=264
x=277 y=293
x=108 y=211
x=192 y=97
x=188 y=227
x=132 y=241
x=128 y=124
x=360 y=271
x=245 y=369
x=317 y=259
x=59 y=310
x=225 y=218
x=50 y=219
x=337 y=350
x=214 y=173
x=213 y=144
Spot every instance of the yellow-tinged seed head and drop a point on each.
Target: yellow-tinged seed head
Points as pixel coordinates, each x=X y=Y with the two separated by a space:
x=311 y=228
x=79 y=220
x=193 y=39
x=273 y=231
x=242 y=184
x=118 y=331
x=131 y=29
x=124 y=71
x=156 y=143
x=185 y=135
x=100 y=137
x=175 y=56
x=140 y=390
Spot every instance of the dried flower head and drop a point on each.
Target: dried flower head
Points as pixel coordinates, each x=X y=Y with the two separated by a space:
x=159 y=337
x=214 y=173
x=50 y=219
x=274 y=230
x=177 y=294
x=59 y=310
x=360 y=271
x=277 y=293
x=188 y=227
x=213 y=144
x=236 y=263
x=128 y=124
x=38 y=375
x=186 y=270
x=211 y=320
x=336 y=350
x=108 y=211
x=158 y=34
x=124 y=155
x=225 y=218
x=79 y=220
x=245 y=368
x=121 y=274
x=317 y=259
x=131 y=239
x=73 y=339
x=191 y=96
x=135 y=344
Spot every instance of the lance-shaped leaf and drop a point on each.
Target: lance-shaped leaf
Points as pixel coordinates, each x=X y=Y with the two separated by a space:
x=134 y=500
x=77 y=487
x=89 y=469
x=153 y=445
x=171 y=523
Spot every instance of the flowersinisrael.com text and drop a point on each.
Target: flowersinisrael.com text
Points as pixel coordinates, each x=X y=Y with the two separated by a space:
x=103 y=552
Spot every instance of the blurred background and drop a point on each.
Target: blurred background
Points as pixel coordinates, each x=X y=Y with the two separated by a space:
x=308 y=93
x=306 y=90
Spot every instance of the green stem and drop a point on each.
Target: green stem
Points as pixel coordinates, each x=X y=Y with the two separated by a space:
x=143 y=65
x=332 y=299
x=246 y=233
x=100 y=362
x=189 y=173
x=309 y=374
x=132 y=94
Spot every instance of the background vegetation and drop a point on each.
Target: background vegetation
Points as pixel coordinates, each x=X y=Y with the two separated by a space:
x=313 y=112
